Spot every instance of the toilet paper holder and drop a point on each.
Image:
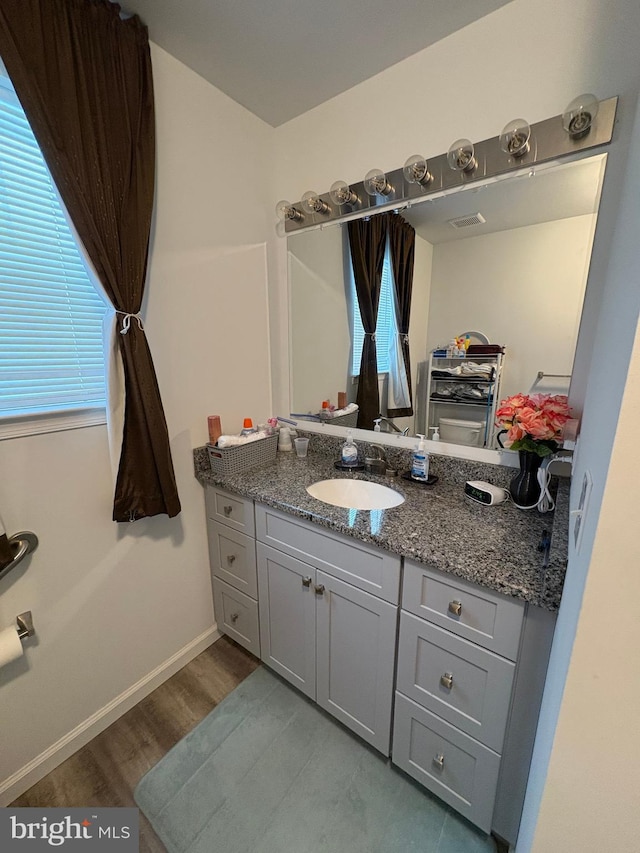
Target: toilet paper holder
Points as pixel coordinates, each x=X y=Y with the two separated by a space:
x=24 y=625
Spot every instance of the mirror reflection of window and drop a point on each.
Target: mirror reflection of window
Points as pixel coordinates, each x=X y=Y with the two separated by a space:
x=386 y=324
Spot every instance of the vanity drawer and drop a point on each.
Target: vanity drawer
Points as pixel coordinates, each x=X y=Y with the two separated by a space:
x=363 y=566
x=231 y=510
x=233 y=557
x=236 y=615
x=473 y=612
x=455 y=767
x=464 y=684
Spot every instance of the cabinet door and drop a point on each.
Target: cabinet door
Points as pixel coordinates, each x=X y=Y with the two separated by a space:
x=233 y=557
x=287 y=617
x=356 y=653
x=456 y=767
x=465 y=684
x=236 y=615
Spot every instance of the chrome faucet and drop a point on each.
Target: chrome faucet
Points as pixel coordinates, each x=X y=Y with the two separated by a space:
x=390 y=423
x=377 y=463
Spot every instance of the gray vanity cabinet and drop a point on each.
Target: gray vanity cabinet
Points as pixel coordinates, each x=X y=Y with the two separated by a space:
x=471 y=669
x=334 y=640
x=232 y=556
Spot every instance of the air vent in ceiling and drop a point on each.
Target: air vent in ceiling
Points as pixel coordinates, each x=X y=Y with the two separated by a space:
x=468 y=220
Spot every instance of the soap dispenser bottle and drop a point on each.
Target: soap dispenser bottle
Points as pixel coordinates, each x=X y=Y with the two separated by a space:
x=420 y=463
x=349 y=453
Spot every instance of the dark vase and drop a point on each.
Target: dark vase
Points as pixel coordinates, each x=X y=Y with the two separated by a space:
x=524 y=488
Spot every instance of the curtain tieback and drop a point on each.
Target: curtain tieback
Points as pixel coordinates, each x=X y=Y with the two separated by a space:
x=126 y=321
x=372 y=335
x=403 y=337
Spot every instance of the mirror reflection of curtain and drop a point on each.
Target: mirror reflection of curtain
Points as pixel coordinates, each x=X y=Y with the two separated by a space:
x=402 y=241
x=84 y=79
x=367 y=241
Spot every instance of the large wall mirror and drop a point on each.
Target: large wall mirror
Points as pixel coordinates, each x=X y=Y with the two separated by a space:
x=508 y=259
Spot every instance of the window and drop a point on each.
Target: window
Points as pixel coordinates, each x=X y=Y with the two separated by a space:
x=51 y=349
x=386 y=327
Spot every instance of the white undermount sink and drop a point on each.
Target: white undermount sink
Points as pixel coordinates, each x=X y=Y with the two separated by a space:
x=355 y=494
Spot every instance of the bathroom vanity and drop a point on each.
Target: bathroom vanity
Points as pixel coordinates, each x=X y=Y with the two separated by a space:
x=425 y=628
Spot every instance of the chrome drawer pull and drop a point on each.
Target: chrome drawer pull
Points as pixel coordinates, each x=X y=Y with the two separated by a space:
x=447 y=680
x=231 y=558
x=227 y=510
x=438 y=760
x=455 y=607
x=306 y=582
x=234 y=617
x=319 y=589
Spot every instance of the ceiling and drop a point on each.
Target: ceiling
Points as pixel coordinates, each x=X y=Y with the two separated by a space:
x=280 y=58
x=551 y=193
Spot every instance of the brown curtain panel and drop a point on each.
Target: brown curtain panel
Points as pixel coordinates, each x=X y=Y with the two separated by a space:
x=367 y=240
x=402 y=242
x=84 y=79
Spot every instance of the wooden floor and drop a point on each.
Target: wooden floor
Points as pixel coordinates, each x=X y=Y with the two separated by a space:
x=106 y=771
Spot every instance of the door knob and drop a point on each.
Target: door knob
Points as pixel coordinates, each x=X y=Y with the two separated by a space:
x=227 y=510
x=231 y=558
x=455 y=607
x=306 y=582
x=319 y=589
x=447 y=680
x=438 y=760
x=234 y=617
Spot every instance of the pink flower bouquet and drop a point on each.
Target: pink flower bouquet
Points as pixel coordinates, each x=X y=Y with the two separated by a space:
x=533 y=422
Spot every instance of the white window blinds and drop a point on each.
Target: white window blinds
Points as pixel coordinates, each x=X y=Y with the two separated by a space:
x=51 y=350
x=385 y=324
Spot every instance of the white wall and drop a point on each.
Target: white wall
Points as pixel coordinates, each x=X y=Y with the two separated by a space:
x=590 y=800
x=319 y=320
x=523 y=288
x=518 y=61
x=111 y=603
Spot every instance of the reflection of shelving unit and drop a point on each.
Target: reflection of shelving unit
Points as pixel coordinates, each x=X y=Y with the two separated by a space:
x=464 y=396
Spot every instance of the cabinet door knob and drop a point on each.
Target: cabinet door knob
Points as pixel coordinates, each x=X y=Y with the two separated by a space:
x=234 y=617
x=231 y=558
x=447 y=680
x=306 y=581
x=227 y=510
x=455 y=607
x=438 y=760
x=319 y=588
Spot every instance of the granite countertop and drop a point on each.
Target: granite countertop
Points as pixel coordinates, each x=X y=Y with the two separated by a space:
x=495 y=546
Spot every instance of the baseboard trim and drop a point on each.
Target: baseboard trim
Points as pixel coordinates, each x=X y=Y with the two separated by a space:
x=58 y=752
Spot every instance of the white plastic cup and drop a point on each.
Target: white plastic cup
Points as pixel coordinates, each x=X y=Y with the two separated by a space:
x=302 y=446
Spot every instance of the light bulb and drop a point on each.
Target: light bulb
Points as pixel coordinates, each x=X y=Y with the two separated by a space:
x=376 y=183
x=461 y=156
x=416 y=170
x=341 y=193
x=312 y=202
x=580 y=115
x=285 y=210
x=515 y=136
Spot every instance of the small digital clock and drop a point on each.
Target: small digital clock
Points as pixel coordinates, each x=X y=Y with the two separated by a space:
x=485 y=493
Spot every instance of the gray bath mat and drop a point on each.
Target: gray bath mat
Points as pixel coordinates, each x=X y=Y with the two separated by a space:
x=268 y=772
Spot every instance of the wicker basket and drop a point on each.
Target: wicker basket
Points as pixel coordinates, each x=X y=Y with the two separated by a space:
x=232 y=460
x=348 y=420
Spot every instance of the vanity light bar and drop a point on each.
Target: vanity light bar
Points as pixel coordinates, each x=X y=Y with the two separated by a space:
x=548 y=141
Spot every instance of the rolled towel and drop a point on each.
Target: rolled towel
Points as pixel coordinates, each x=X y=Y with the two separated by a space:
x=236 y=440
